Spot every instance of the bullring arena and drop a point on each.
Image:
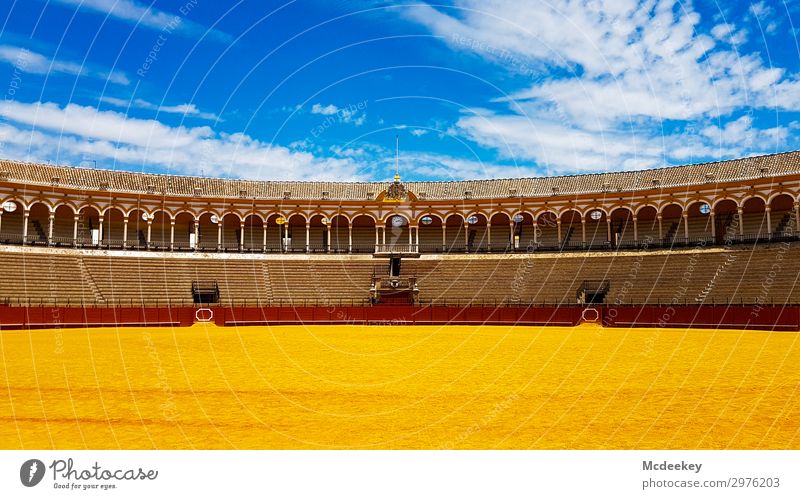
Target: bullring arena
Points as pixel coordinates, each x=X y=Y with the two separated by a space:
x=647 y=309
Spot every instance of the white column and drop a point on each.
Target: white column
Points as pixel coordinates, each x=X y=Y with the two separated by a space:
x=444 y=237
x=559 y=231
x=489 y=236
x=583 y=229
x=409 y=236
x=741 y=221
x=660 y=229
x=330 y=227
x=100 y=231
x=511 y=234
x=125 y=232
x=50 y=221
x=377 y=239
x=713 y=225
x=171 y=235
x=241 y=236
x=25 y=215
x=149 y=230
x=686 y=225
x=416 y=237
x=383 y=236
x=1 y=220
x=466 y=236
x=349 y=236
x=608 y=229
x=768 y=211
x=196 y=233
x=308 y=237
x=75 y=230
x=535 y=232
x=264 y=240
x=219 y=235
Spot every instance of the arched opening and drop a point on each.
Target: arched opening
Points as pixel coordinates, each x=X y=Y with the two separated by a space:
x=137 y=229
x=160 y=230
x=598 y=229
x=38 y=224
x=782 y=215
x=318 y=234
x=500 y=237
x=522 y=232
x=397 y=234
x=339 y=234
x=296 y=234
x=253 y=233
x=571 y=230
x=88 y=226
x=113 y=227
x=275 y=232
x=63 y=225
x=671 y=227
x=430 y=234
x=646 y=227
x=207 y=232
x=726 y=221
x=754 y=219
x=477 y=237
x=11 y=222
x=699 y=222
x=184 y=232
x=454 y=234
x=622 y=233
x=363 y=234
x=547 y=229
x=231 y=232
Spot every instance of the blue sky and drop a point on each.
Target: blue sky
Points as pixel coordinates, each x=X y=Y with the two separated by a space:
x=319 y=89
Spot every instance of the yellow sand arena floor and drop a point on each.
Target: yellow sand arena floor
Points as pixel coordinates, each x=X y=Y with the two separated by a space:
x=399 y=387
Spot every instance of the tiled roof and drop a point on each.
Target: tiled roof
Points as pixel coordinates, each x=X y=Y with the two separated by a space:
x=147 y=183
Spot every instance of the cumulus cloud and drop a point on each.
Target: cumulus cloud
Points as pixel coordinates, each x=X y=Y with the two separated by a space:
x=32 y=62
x=46 y=131
x=636 y=82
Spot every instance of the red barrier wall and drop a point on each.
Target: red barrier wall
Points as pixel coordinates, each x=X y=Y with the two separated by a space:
x=779 y=318
x=715 y=317
x=49 y=317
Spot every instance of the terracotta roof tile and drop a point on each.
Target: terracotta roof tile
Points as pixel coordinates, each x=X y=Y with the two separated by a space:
x=142 y=183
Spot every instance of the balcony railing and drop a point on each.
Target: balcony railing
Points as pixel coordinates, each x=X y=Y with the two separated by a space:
x=482 y=247
x=396 y=248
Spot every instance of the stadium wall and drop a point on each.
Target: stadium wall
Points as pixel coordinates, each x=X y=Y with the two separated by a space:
x=772 y=317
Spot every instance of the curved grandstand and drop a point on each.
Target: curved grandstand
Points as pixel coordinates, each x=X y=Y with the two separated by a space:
x=718 y=234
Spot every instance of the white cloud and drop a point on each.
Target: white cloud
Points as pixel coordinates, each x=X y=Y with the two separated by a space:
x=328 y=110
x=137 y=13
x=184 y=109
x=727 y=33
x=765 y=16
x=33 y=62
x=638 y=82
x=418 y=132
x=45 y=131
x=352 y=113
